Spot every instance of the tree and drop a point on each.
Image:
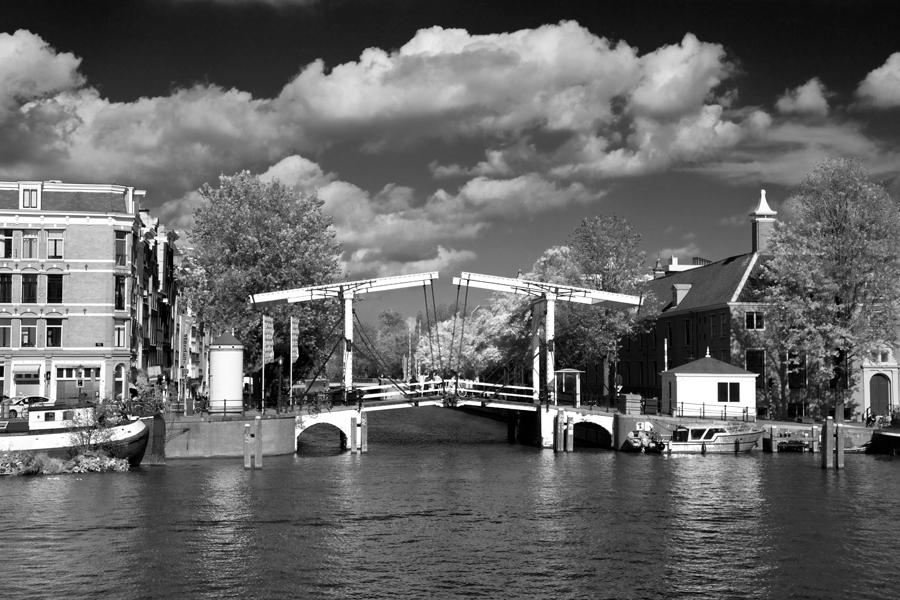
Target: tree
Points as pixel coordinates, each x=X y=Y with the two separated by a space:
x=833 y=283
x=609 y=258
x=251 y=237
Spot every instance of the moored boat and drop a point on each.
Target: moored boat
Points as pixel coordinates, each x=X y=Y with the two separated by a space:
x=57 y=431
x=643 y=441
x=705 y=438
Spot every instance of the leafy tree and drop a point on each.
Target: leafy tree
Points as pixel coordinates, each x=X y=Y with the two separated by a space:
x=251 y=237
x=834 y=277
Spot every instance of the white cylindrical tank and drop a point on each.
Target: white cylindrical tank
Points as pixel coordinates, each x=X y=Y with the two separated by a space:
x=226 y=370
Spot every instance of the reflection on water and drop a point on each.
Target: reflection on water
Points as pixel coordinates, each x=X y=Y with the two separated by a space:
x=443 y=507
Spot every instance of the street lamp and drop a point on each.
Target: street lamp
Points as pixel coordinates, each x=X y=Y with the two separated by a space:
x=280 y=376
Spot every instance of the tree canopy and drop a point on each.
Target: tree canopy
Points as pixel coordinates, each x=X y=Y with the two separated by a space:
x=249 y=237
x=834 y=275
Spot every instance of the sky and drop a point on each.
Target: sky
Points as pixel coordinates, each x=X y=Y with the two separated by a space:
x=457 y=136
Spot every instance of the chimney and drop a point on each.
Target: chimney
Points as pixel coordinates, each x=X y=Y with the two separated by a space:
x=679 y=291
x=763 y=222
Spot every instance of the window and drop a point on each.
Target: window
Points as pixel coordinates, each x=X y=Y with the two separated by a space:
x=756 y=363
x=29 y=289
x=687 y=332
x=54 y=289
x=5 y=289
x=120 y=248
x=55 y=244
x=713 y=326
x=29 y=244
x=120 y=292
x=54 y=333
x=6 y=243
x=49 y=416
x=120 y=336
x=755 y=320
x=5 y=333
x=29 y=333
x=729 y=391
x=723 y=324
x=30 y=198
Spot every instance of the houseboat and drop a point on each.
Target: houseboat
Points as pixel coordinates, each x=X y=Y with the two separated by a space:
x=58 y=431
x=705 y=438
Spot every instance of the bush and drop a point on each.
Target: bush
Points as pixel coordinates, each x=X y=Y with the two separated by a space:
x=26 y=463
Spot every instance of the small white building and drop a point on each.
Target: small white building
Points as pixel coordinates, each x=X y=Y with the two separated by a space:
x=711 y=389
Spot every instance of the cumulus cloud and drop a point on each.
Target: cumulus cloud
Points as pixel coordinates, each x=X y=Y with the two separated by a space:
x=30 y=69
x=809 y=98
x=554 y=111
x=881 y=87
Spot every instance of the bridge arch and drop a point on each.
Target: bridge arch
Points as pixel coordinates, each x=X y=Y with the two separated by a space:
x=341 y=420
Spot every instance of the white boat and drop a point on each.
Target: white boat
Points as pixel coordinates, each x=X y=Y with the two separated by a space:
x=705 y=438
x=57 y=430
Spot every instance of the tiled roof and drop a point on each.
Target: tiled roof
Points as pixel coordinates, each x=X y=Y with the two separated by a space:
x=714 y=284
x=709 y=366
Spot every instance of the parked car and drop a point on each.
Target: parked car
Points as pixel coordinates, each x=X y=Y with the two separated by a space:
x=21 y=403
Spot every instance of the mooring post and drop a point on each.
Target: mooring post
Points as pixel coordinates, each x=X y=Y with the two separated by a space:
x=814 y=440
x=353 y=435
x=570 y=434
x=248 y=437
x=560 y=430
x=363 y=433
x=259 y=442
x=828 y=443
x=839 y=446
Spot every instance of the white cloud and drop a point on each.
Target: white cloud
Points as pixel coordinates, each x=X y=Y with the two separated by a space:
x=676 y=79
x=881 y=87
x=367 y=263
x=809 y=98
x=554 y=111
x=30 y=69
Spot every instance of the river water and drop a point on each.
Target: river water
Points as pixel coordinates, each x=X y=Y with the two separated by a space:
x=443 y=507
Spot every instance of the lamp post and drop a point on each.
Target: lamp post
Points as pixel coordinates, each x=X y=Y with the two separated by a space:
x=280 y=376
x=79 y=381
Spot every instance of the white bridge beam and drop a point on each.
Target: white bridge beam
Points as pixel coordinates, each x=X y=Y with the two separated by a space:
x=545 y=296
x=345 y=291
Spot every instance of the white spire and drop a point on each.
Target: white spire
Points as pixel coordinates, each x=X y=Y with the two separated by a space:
x=763 y=209
x=707 y=352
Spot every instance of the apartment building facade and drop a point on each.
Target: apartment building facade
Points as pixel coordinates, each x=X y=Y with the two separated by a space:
x=71 y=298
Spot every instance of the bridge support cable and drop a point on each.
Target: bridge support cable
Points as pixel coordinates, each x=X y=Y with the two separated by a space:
x=545 y=294
x=305 y=368
x=428 y=322
x=453 y=336
x=438 y=333
x=344 y=291
x=462 y=333
x=320 y=369
x=375 y=356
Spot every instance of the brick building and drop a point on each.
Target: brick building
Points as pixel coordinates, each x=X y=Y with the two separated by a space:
x=699 y=306
x=713 y=306
x=75 y=282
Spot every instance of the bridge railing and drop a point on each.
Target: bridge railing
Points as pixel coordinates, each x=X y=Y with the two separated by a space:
x=428 y=388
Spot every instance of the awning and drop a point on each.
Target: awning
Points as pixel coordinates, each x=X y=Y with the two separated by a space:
x=23 y=369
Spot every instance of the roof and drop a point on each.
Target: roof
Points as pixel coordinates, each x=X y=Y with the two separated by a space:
x=709 y=366
x=714 y=284
x=226 y=339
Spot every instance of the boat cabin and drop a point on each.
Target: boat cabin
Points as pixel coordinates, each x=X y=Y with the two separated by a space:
x=696 y=434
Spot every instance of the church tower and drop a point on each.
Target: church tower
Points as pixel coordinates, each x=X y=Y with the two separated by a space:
x=763 y=223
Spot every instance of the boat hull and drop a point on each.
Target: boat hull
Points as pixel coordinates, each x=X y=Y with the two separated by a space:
x=721 y=443
x=128 y=441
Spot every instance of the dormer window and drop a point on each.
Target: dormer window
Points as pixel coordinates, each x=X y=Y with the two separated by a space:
x=30 y=198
